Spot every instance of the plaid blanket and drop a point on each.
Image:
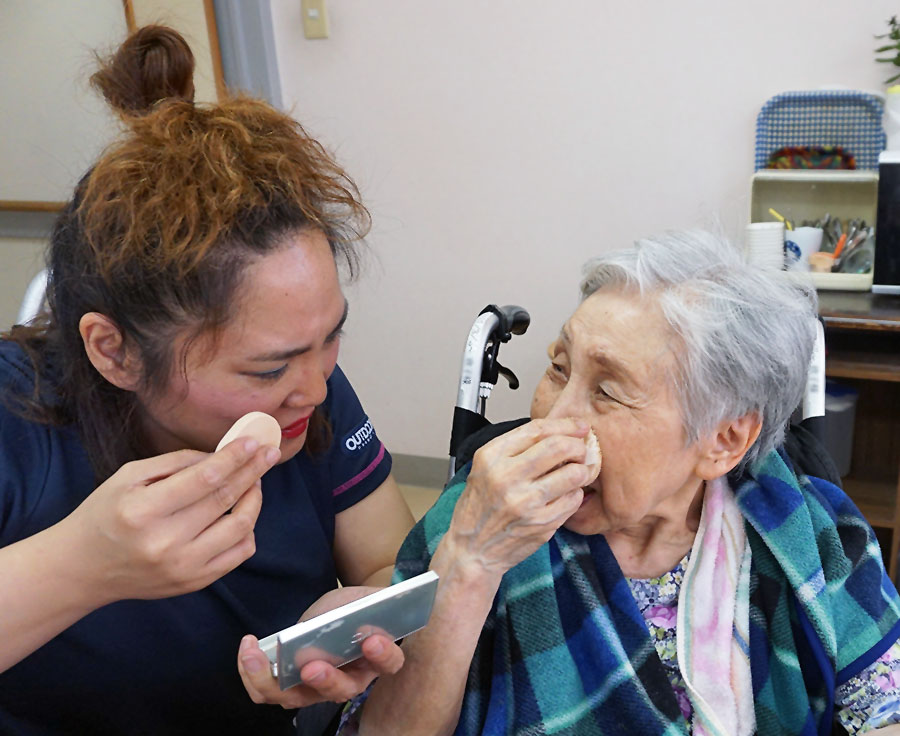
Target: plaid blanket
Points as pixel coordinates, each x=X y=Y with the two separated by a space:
x=565 y=649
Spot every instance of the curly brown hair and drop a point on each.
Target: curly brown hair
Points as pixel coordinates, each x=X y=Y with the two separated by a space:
x=152 y=64
x=159 y=233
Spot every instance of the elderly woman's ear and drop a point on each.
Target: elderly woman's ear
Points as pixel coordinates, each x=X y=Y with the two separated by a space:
x=724 y=448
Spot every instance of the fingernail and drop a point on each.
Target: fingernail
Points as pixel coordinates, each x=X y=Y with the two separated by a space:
x=251 y=664
x=272 y=455
x=376 y=647
x=316 y=677
x=581 y=425
x=250 y=445
x=245 y=643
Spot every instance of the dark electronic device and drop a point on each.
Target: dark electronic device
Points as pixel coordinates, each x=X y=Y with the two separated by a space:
x=886 y=277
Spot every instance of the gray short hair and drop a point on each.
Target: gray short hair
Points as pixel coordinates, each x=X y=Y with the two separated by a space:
x=746 y=334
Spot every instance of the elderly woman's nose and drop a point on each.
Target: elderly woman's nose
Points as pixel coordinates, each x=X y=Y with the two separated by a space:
x=567 y=404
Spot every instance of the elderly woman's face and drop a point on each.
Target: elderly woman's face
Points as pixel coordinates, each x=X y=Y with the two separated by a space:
x=612 y=366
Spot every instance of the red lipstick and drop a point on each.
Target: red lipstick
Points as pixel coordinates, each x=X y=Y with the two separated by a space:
x=296 y=429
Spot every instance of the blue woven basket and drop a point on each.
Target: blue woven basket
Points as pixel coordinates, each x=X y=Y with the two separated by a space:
x=822 y=118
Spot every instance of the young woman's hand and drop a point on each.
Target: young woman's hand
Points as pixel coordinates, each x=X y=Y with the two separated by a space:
x=321 y=681
x=522 y=487
x=171 y=524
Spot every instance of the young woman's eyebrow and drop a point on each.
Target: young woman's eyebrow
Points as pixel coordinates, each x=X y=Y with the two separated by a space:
x=286 y=354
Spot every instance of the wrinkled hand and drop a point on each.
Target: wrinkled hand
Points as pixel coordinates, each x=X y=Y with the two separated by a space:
x=522 y=487
x=158 y=527
x=321 y=681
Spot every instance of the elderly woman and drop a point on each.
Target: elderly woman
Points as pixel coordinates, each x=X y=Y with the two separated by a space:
x=698 y=583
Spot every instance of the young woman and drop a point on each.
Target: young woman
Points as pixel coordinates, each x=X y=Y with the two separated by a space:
x=194 y=277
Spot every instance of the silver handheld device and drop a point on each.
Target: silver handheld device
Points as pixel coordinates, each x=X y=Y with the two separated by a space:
x=337 y=635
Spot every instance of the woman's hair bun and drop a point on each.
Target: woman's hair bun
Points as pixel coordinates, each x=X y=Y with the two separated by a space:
x=153 y=64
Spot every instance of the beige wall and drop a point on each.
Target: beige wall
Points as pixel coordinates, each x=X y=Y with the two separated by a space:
x=189 y=17
x=53 y=125
x=20 y=260
x=500 y=144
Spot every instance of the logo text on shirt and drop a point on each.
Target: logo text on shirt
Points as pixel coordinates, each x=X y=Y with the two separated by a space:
x=360 y=438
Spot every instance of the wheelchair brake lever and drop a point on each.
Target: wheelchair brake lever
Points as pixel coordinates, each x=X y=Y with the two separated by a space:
x=508 y=375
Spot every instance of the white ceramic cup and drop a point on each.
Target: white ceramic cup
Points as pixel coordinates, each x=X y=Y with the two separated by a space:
x=799 y=244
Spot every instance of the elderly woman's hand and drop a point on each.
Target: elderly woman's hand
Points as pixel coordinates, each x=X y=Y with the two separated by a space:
x=321 y=681
x=522 y=487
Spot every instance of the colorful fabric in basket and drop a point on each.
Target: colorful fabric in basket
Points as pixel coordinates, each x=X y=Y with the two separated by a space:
x=811 y=157
x=846 y=118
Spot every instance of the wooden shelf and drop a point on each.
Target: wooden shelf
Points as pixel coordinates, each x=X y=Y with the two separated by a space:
x=860 y=311
x=863 y=365
x=862 y=345
x=23 y=206
x=876 y=499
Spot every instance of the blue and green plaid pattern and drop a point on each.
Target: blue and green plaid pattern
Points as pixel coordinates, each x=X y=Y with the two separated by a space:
x=566 y=650
x=822 y=607
x=845 y=118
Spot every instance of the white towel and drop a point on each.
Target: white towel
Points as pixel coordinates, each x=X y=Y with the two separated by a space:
x=713 y=620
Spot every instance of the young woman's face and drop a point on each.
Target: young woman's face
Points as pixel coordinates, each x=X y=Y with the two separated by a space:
x=274 y=356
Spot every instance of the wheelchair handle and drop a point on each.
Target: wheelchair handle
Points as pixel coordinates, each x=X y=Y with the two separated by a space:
x=35 y=298
x=512 y=319
x=492 y=326
x=473 y=358
x=480 y=369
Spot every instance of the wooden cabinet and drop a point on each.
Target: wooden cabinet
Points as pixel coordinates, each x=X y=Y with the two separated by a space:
x=862 y=344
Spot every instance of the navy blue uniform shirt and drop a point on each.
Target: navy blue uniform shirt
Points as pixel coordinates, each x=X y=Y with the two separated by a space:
x=169 y=666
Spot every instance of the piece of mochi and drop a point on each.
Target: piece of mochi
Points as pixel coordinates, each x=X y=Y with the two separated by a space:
x=593 y=458
x=259 y=425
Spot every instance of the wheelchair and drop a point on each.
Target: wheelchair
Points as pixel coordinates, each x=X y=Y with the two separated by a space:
x=34 y=301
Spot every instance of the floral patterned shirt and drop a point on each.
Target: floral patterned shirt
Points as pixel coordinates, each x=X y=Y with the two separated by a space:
x=869 y=700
